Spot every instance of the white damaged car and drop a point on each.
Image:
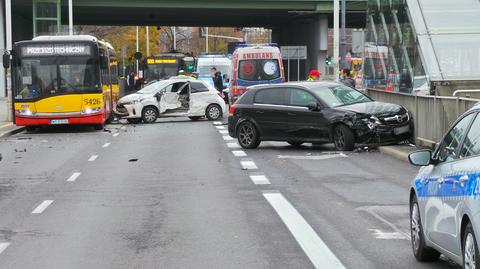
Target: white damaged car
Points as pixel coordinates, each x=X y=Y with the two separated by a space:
x=174 y=97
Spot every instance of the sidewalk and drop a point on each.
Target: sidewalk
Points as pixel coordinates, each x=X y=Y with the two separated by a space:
x=6 y=128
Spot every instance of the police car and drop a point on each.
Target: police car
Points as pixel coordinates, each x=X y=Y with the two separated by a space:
x=445 y=195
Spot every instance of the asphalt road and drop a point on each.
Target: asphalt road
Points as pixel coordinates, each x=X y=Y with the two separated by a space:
x=174 y=195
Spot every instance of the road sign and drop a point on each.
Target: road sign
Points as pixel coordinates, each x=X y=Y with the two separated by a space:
x=294 y=52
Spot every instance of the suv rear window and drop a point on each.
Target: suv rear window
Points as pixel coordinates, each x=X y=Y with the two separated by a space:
x=257 y=70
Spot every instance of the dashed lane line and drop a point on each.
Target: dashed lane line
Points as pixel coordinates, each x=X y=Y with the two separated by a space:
x=93 y=158
x=40 y=208
x=220 y=127
x=3 y=246
x=233 y=145
x=106 y=145
x=223 y=132
x=74 y=177
x=217 y=123
x=239 y=153
x=313 y=246
x=228 y=138
x=115 y=134
x=248 y=165
x=259 y=180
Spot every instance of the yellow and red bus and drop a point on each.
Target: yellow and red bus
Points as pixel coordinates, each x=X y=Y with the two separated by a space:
x=60 y=80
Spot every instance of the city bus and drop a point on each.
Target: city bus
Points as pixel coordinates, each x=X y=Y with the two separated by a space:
x=166 y=65
x=61 y=80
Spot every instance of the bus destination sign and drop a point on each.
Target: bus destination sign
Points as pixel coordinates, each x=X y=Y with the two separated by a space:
x=56 y=49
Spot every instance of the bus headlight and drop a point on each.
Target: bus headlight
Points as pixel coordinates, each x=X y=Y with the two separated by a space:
x=24 y=112
x=91 y=110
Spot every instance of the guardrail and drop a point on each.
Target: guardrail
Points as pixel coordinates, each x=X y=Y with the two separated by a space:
x=432 y=115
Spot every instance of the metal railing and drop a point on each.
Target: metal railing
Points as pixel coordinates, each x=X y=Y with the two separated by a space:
x=432 y=115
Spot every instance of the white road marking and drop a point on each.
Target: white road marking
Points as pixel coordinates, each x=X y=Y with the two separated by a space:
x=379 y=234
x=93 y=158
x=370 y=210
x=39 y=209
x=123 y=127
x=248 y=165
x=316 y=250
x=239 y=153
x=260 y=180
x=217 y=123
x=220 y=127
x=233 y=145
x=106 y=145
x=3 y=246
x=74 y=177
x=115 y=134
x=228 y=138
x=223 y=131
x=312 y=157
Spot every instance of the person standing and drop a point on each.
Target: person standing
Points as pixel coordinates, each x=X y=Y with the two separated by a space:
x=347 y=79
x=217 y=79
x=314 y=75
x=130 y=81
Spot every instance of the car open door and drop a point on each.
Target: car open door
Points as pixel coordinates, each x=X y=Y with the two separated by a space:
x=169 y=100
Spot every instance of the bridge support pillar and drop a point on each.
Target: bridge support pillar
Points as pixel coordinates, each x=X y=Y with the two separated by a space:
x=311 y=32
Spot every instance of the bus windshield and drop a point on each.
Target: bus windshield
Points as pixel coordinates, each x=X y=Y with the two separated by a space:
x=160 y=71
x=258 y=70
x=48 y=76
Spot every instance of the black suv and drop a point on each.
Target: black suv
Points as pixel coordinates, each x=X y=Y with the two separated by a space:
x=317 y=112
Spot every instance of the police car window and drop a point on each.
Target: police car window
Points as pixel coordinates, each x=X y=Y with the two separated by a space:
x=471 y=146
x=271 y=96
x=449 y=147
x=198 y=87
x=300 y=98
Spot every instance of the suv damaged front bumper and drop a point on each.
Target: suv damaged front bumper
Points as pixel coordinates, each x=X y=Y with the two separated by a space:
x=383 y=134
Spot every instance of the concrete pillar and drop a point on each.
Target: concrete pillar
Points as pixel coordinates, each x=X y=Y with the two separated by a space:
x=323 y=43
x=2 y=48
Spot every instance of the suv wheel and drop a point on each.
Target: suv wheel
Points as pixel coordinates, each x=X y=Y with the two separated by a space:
x=248 y=136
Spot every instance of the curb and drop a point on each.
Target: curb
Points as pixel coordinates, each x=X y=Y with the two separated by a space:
x=12 y=131
x=395 y=153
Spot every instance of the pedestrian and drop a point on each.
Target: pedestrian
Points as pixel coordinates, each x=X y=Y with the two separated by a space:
x=314 y=75
x=130 y=81
x=347 y=79
x=217 y=79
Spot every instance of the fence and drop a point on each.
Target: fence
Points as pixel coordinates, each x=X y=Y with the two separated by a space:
x=432 y=115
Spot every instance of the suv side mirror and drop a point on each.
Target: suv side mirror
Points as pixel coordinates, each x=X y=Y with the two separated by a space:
x=421 y=157
x=6 y=60
x=313 y=106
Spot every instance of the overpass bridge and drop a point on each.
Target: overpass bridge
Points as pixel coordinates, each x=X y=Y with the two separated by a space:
x=293 y=22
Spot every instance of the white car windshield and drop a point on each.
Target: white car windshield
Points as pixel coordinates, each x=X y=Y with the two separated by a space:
x=153 y=87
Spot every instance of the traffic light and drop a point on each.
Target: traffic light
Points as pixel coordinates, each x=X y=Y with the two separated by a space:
x=328 y=61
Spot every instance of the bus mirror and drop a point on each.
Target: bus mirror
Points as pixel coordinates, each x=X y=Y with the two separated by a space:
x=6 y=60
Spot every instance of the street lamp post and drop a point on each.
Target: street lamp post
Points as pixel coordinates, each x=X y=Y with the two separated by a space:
x=70 y=17
x=336 y=26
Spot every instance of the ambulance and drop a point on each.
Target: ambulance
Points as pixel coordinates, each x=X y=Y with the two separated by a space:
x=254 y=64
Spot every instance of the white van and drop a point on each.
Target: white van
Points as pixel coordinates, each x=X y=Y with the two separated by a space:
x=254 y=64
x=205 y=62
